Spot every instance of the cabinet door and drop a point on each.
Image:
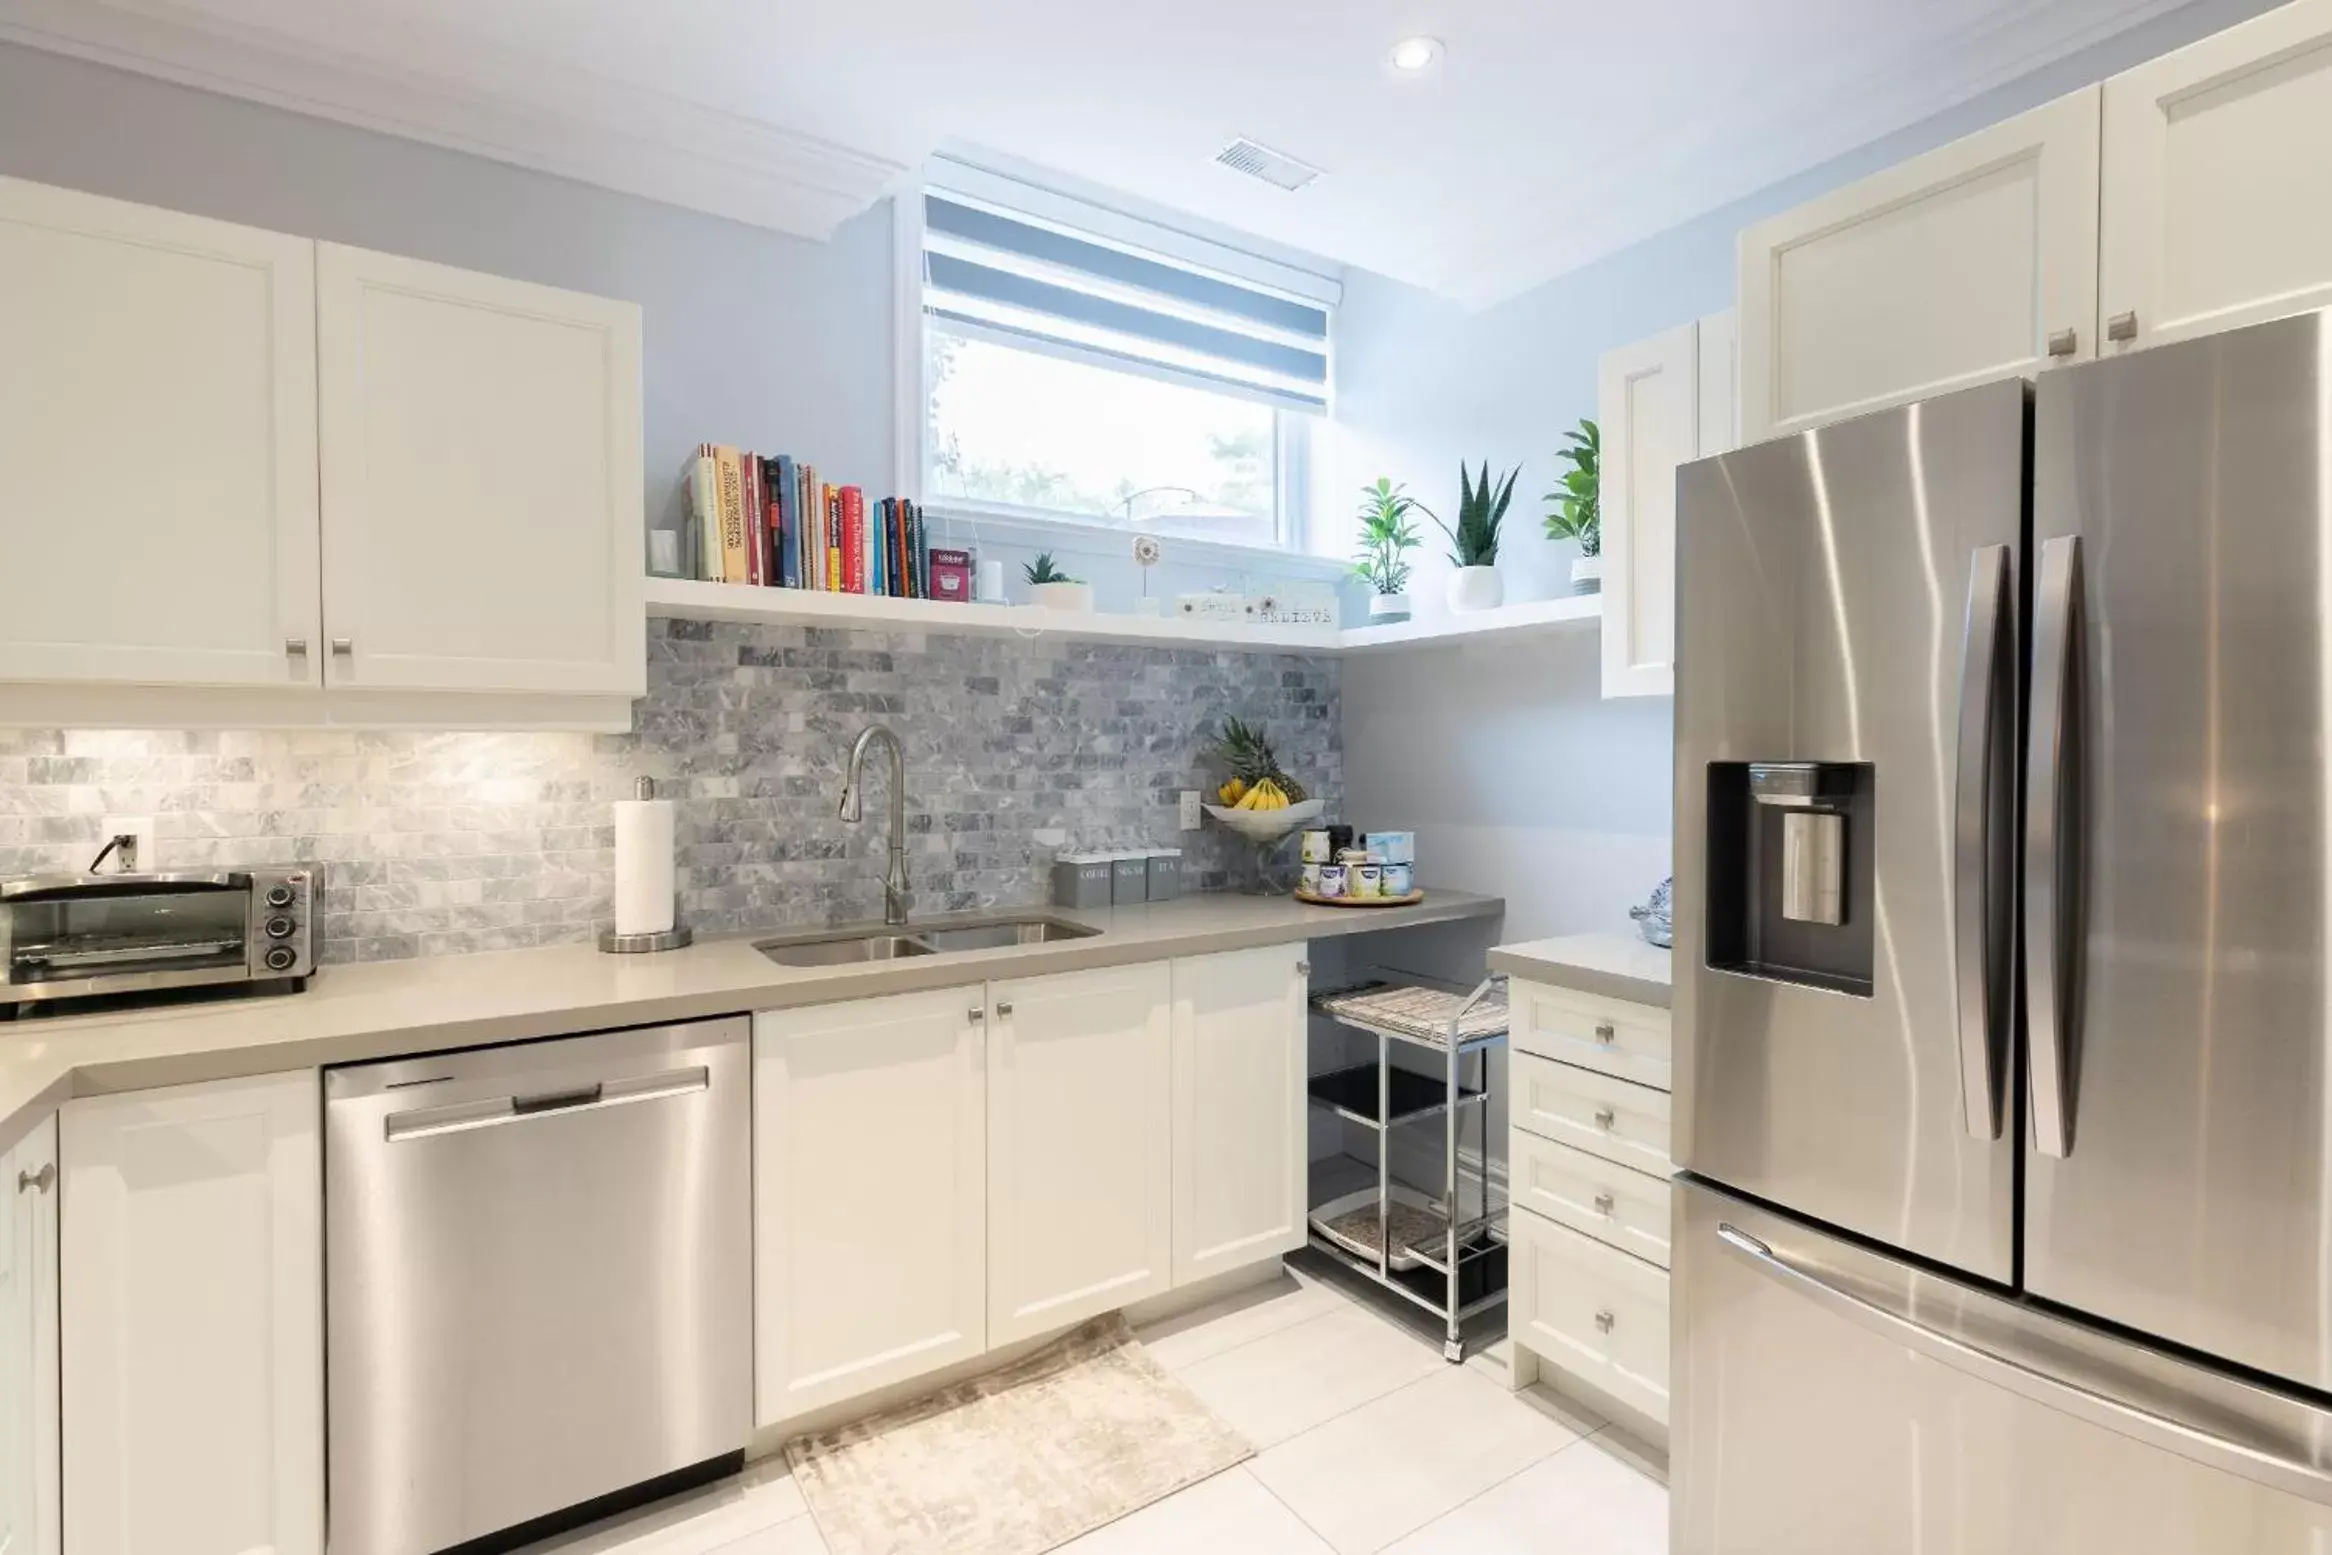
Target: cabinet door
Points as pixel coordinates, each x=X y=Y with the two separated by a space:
x=483 y=503
x=1648 y=404
x=869 y=1187
x=1080 y=1202
x=1951 y=269
x=29 y=1523
x=193 y=1346
x=1239 y=1112
x=2218 y=186
x=157 y=446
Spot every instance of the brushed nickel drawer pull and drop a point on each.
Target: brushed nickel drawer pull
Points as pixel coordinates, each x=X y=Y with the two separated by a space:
x=37 y=1182
x=1606 y=1320
x=1605 y=1117
x=1606 y=1033
x=1605 y=1203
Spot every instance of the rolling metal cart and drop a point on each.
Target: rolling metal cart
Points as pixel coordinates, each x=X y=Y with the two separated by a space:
x=1434 y=1256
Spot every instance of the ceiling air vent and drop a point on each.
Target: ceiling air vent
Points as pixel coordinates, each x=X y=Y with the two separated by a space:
x=1273 y=167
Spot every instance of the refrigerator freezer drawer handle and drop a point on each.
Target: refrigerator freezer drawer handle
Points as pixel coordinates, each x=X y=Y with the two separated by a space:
x=1980 y=887
x=2278 y=1471
x=2051 y=764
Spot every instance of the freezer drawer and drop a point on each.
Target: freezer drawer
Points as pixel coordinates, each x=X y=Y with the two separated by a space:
x=1614 y=1204
x=1830 y=1401
x=1597 y=1314
x=1602 y=1116
x=1623 y=1040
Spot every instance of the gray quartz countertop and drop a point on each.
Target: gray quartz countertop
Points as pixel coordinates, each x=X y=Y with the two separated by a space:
x=1614 y=966
x=350 y=1014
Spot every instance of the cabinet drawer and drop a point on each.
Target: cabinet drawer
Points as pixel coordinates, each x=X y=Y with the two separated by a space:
x=1606 y=1117
x=1611 y=1203
x=1597 y=1314
x=1611 y=1036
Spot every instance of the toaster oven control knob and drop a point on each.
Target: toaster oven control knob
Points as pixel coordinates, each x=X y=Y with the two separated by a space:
x=280 y=896
x=280 y=958
x=280 y=927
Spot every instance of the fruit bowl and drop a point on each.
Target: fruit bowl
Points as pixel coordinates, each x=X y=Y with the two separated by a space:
x=1267 y=825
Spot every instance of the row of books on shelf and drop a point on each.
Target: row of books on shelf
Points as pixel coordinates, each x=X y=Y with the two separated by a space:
x=771 y=522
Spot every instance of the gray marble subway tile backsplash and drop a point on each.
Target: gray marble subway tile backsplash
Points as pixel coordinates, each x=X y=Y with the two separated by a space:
x=436 y=844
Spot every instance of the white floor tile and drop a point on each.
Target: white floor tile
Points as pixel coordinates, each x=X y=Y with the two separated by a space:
x=1248 y=1315
x=1581 y=1501
x=763 y=1497
x=1393 y=1465
x=799 y=1537
x=1230 y=1514
x=1312 y=1371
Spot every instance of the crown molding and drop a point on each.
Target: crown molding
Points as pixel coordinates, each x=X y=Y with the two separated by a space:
x=552 y=119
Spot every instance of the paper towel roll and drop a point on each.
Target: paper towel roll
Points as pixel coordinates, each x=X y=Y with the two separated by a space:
x=643 y=866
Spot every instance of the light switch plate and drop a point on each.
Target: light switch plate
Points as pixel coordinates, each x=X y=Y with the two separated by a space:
x=138 y=826
x=1190 y=809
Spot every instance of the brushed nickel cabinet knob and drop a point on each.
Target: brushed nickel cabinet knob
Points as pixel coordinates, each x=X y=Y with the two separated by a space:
x=37 y=1182
x=2064 y=342
x=2122 y=326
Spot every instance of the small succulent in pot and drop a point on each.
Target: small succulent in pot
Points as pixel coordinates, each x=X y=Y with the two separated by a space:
x=1054 y=589
x=1473 y=541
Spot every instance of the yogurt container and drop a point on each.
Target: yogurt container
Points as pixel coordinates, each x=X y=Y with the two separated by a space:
x=1368 y=880
x=1331 y=880
x=1394 y=847
x=1310 y=879
x=1399 y=879
x=1317 y=847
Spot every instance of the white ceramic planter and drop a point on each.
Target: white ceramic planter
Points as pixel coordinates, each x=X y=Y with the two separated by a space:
x=1475 y=589
x=1587 y=575
x=1062 y=596
x=1387 y=609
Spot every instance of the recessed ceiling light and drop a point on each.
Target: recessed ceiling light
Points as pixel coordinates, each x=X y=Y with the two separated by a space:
x=1412 y=56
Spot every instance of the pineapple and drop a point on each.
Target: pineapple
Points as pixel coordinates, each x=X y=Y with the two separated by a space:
x=1249 y=756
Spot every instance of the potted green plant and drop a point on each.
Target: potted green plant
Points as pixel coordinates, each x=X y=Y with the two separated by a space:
x=1576 y=511
x=1054 y=589
x=1473 y=542
x=1387 y=536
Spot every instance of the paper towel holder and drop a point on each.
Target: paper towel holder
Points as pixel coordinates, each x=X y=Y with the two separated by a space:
x=641 y=944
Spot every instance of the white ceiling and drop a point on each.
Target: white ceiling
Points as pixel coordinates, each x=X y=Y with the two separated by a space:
x=1552 y=132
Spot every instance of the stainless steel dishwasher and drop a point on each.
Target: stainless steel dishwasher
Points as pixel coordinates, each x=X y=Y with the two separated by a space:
x=538 y=1279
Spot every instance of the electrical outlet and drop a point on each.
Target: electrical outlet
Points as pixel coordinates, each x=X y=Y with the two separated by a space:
x=138 y=826
x=1190 y=809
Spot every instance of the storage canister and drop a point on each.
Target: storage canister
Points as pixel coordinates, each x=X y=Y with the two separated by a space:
x=1165 y=874
x=1129 y=877
x=1081 y=880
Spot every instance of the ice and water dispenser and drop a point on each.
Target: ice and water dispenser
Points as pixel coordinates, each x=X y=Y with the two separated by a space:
x=1791 y=849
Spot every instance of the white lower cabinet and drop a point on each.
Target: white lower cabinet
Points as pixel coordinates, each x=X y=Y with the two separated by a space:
x=29 y=1521
x=869 y=1176
x=1239 y=1114
x=193 y=1353
x=1598 y=1314
x=1080 y=1196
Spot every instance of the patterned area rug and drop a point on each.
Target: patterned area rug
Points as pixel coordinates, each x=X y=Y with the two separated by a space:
x=1016 y=1462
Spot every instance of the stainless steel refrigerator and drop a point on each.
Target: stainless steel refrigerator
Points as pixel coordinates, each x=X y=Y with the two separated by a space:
x=2003 y=926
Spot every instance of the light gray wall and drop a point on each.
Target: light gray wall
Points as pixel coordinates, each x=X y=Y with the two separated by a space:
x=1477 y=748
x=752 y=337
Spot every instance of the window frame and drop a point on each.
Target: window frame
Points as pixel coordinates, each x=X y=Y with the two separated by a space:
x=1294 y=433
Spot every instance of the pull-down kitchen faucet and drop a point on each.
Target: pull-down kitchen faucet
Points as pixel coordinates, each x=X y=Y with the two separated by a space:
x=895 y=890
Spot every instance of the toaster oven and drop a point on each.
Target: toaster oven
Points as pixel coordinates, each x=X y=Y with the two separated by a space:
x=66 y=938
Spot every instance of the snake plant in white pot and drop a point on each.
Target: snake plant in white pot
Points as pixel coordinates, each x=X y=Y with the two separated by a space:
x=1387 y=536
x=1473 y=543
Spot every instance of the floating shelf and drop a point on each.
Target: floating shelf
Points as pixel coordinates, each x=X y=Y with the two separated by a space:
x=1530 y=618
x=684 y=599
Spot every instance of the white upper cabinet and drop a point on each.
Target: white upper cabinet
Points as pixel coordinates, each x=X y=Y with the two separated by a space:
x=1648 y=406
x=29 y=1488
x=1080 y=1201
x=157 y=446
x=2217 y=209
x=1239 y=1110
x=1974 y=262
x=193 y=1349
x=482 y=485
x=869 y=1187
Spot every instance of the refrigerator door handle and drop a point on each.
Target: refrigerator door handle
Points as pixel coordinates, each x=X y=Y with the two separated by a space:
x=2287 y=1472
x=2050 y=766
x=1979 y=900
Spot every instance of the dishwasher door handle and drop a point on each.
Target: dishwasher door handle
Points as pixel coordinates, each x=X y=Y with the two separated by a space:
x=492 y=1112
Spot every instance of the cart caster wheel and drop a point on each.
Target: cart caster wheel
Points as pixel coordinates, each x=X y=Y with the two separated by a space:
x=1453 y=1351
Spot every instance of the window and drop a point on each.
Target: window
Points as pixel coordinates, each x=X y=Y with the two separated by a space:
x=1074 y=374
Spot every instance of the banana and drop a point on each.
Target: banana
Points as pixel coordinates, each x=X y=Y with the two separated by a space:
x=1232 y=792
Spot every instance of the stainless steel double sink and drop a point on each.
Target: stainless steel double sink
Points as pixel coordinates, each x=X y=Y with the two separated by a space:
x=841 y=947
